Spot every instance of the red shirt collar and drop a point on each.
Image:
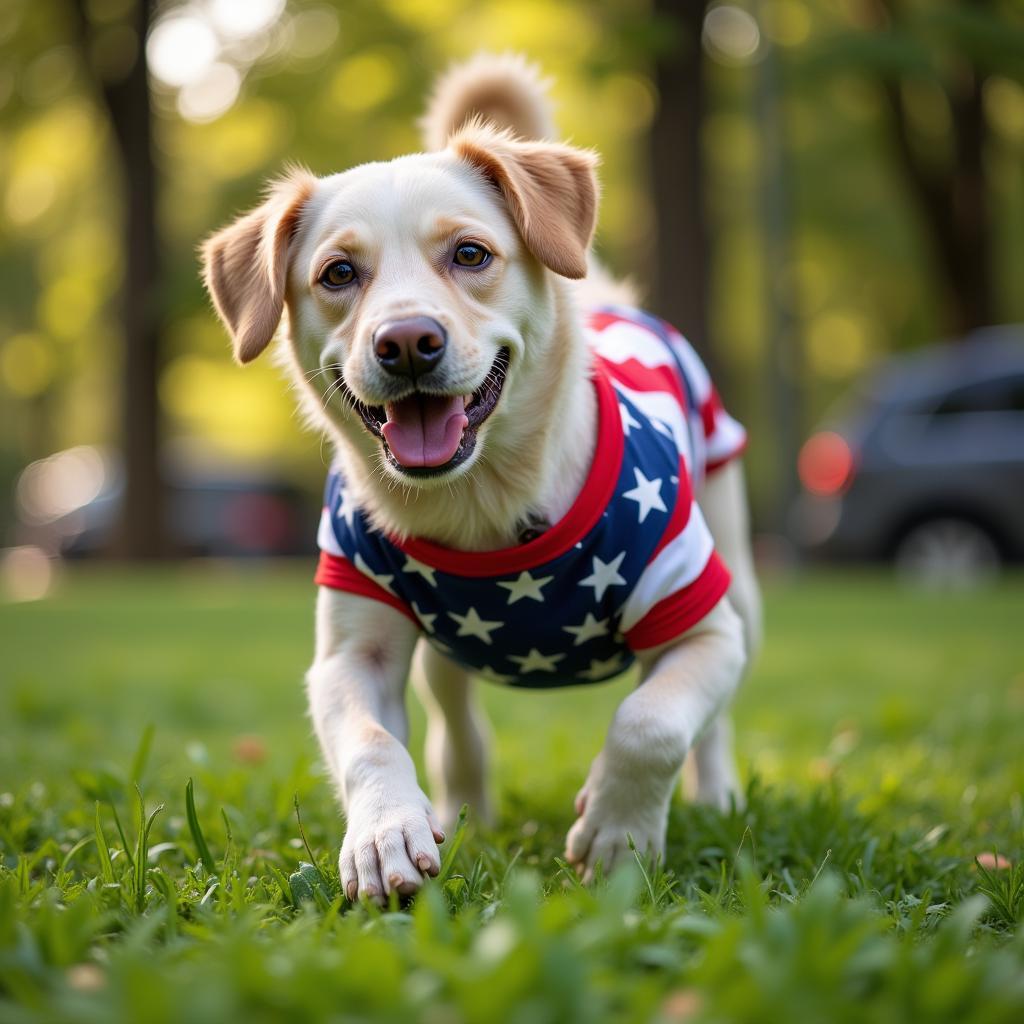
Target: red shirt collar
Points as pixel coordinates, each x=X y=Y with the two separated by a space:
x=586 y=510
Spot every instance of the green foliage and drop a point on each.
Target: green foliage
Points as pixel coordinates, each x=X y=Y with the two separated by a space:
x=860 y=276
x=351 y=93
x=202 y=850
x=833 y=895
x=1004 y=887
x=481 y=946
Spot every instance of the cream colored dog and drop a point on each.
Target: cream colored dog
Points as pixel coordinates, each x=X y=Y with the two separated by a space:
x=475 y=245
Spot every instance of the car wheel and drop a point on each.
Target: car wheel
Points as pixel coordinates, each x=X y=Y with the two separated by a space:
x=947 y=553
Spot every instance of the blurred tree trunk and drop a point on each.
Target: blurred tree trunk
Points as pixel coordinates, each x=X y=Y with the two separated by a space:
x=952 y=200
x=783 y=362
x=682 y=256
x=125 y=93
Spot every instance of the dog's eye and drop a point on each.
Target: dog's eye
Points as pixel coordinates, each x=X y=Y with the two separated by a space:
x=474 y=256
x=338 y=274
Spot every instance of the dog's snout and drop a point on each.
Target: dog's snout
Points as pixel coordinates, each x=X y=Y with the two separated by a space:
x=410 y=347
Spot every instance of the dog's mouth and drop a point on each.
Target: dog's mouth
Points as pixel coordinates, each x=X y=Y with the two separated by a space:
x=427 y=435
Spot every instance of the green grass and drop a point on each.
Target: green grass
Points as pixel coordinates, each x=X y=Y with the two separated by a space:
x=880 y=734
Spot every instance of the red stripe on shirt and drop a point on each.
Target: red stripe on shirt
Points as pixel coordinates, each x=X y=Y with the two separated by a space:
x=674 y=615
x=340 y=574
x=600 y=320
x=638 y=377
x=680 y=512
x=709 y=411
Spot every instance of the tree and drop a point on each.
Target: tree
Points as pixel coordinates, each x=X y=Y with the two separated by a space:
x=679 y=276
x=926 y=59
x=123 y=88
x=951 y=198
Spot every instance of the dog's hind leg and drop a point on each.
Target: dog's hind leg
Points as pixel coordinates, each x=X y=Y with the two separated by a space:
x=710 y=775
x=723 y=500
x=458 y=736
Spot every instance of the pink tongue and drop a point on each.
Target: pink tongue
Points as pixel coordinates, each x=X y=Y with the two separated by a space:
x=424 y=430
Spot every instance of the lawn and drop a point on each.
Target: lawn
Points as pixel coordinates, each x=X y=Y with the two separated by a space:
x=880 y=735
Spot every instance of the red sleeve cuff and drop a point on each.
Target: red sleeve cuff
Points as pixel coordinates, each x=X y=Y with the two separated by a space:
x=340 y=574
x=708 y=412
x=675 y=614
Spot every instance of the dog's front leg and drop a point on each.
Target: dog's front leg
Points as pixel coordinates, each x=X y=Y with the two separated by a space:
x=356 y=690
x=630 y=783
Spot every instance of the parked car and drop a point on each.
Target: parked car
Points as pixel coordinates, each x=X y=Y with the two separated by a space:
x=70 y=504
x=924 y=463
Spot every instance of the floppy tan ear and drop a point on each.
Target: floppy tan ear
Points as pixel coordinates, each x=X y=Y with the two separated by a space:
x=551 y=191
x=245 y=265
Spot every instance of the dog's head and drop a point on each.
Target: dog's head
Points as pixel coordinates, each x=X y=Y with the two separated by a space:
x=418 y=291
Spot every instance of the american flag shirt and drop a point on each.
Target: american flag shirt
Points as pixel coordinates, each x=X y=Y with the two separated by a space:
x=630 y=566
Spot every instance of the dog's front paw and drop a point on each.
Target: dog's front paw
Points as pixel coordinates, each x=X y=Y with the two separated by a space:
x=390 y=846
x=612 y=810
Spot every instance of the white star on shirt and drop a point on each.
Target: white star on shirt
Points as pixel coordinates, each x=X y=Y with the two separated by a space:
x=587 y=629
x=647 y=494
x=525 y=586
x=600 y=669
x=346 y=506
x=495 y=677
x=535 y=661
x=380 y=579
x=411 y=565
x=471 y=624
x=605 y=575
x=628 y=420
x=426 y=621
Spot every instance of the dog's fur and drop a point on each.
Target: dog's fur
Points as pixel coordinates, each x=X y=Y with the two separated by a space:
x=489 y=177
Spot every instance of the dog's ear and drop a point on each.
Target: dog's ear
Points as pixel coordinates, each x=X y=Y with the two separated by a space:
x=245 y=265
x=551 y=191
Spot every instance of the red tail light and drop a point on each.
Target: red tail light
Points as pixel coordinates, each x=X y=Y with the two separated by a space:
x=825 y=464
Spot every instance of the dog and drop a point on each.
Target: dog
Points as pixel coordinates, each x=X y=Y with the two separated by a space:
x=523 y=489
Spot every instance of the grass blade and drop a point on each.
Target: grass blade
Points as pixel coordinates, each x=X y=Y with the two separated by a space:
x=120 y=831
x=305 y=841
x=227 y=824
x=72 y=853
x=165 y=887
x=283 y=884
x=512 y=866
x=569 y=874
x=229 y=861
x=142 y=851
x=193 y=826
x=141 y=757
x=458 y=835
x=643 y=868
x=103 y=851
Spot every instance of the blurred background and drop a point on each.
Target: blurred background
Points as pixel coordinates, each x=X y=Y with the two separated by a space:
x=826 y=196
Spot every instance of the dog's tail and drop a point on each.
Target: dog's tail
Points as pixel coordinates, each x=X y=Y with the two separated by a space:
x=504 y=89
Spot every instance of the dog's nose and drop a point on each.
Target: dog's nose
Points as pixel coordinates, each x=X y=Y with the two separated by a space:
x=410 y=347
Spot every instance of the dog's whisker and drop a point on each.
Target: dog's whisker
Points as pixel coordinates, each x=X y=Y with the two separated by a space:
x=333 y=386
x=328 y=368
x=331 y=391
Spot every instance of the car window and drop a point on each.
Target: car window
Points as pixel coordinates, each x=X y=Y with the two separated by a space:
x=1003 y=394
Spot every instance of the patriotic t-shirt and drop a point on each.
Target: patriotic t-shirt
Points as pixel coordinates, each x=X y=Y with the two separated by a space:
x=630 y=566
